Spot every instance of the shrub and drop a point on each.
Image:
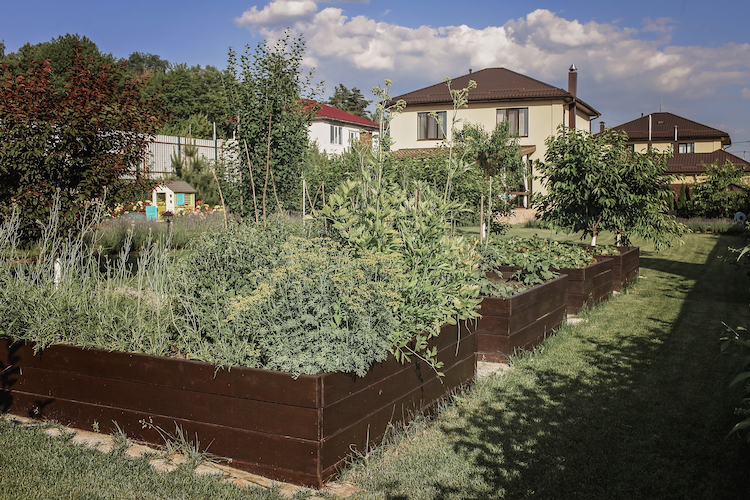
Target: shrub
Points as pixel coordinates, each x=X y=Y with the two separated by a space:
x=277 y=300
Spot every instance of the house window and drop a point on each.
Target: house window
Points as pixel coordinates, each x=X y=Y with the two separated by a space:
x=336 y=133
x=518 y=120
x=428 y=127
x=686 y=147
x=353 y=136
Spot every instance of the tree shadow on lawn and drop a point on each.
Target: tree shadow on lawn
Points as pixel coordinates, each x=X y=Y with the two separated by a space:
x=647 y=418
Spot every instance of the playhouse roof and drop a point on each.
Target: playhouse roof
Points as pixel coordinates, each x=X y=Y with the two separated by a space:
x=179 y=187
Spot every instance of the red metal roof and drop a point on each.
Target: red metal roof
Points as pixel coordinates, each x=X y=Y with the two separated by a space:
x=663 y=127
x=330 y=112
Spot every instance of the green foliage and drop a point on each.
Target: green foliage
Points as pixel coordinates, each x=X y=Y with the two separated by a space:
x=716 y=197
x=595 y=183
x=499 y=158
x=538 y=257
x=737 y=345
x=59 y=52
x=83 y=141
x=682 y=201
x=272 y=100
x=275 y=300
x=70 y=294
x=413 y=225
x=352 y=101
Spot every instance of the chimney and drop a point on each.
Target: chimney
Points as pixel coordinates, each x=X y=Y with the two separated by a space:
x=601 y=126
x=572 y=88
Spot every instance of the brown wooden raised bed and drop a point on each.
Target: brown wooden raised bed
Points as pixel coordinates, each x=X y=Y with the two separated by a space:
x=586 y=286
x=522 y=321
x=270 y=424
x=625 y=267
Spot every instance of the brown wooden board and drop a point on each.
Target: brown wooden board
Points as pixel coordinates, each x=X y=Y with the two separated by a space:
x=521 y=321
x=195 y=376
x=625 y=267
x=268 y=422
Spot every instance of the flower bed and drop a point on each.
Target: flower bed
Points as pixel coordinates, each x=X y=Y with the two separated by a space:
x=296 y=430
x=521 y=321
x=625 y=267
x=586 y=286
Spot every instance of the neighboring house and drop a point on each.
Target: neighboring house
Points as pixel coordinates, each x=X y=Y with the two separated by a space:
x=173 y=196
x=333 y=129
x=694 y=145
x=533 y=108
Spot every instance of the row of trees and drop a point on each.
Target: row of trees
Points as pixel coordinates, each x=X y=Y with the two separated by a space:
x=196 y=96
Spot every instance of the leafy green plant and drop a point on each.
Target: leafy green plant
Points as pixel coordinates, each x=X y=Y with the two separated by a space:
x=274 y=104
x=721 y=194
x=595 y=183
x=737 y=345
x=412 y=224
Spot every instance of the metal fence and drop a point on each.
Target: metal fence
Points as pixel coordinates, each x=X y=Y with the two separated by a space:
x=161 y=151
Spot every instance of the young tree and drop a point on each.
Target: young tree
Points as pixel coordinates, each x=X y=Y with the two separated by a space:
x=90 y=138
x=274 y=104
x=595 y=183
x=715 y=197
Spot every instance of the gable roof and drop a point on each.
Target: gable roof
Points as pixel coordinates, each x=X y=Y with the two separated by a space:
x=493 y=84
x=178 y=187
x=696 y=163
x=663 y=127
x=332 y=113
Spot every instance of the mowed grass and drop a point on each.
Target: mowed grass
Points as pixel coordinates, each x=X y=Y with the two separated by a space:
x=34 y=465
x=633 y=403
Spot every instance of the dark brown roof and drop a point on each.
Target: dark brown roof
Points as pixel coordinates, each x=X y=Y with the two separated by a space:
x=695 y=163
x=662 y=127
x=493 y=84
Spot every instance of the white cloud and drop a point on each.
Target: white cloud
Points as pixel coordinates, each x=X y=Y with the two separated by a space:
x=614 y=63
x=278 y=12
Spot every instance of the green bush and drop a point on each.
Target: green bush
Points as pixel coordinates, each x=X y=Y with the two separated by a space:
x=274 y=299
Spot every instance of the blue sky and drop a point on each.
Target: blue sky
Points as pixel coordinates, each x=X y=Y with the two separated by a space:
x=690 y=57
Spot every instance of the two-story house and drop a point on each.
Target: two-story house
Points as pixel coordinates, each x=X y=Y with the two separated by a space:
x=533 y=108
x=333 y=129
x=694 y=146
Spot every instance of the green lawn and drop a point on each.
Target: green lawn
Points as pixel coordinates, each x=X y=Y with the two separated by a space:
x=632 y=403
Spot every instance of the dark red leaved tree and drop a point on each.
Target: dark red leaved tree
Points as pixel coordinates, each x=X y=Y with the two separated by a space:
x=90 y=138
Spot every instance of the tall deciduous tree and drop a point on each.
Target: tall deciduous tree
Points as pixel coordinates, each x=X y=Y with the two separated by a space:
x=90 y=137
x=595 y=183
x=352 y=101
x=274 y=103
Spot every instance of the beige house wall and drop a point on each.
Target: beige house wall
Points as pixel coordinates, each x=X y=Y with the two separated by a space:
x=544 y=118
x=700 y=146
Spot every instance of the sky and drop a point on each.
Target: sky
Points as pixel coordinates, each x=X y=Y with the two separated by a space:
x=686 y=57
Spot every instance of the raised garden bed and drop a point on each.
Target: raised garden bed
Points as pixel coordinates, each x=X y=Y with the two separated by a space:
x=521 y=321
x=625 y=267
x=294 y=430
x=586 y=286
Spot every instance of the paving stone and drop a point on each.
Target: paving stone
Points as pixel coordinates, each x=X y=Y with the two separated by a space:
x=485 y=368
